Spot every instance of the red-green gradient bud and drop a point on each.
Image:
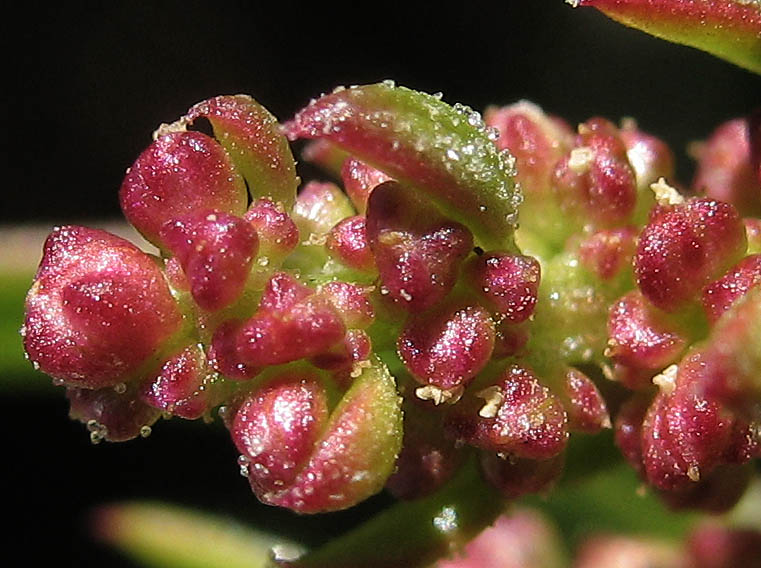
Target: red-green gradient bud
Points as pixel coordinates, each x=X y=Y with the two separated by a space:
x=448 y=345
x=586 y=408
x=516 y=416
x=98 y=311
x=536 y=140
x=180 y=173
x=216 y=251
x=359 y=180
x=278 y=234
x=347 y=243
x=355 y=453
x=595 y=182
x=115 y=414
x=650 y=157
x=276 y=429
x=725 y=168
x=418 y=253
x=720 y=295
x=318 y=208
x=641 y=335
x=516 y=477
x=609 y=251
x=184 y=385
x=508 y=283
x=685 y=246
x=252 y=138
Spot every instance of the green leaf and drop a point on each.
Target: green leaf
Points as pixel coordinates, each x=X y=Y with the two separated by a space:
x=166 y=536
x=445 y=152
x=730 y=29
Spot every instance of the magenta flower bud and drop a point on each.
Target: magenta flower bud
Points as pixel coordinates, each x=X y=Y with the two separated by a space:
x=307 y=329
x=291 y=323
x=98 y=311
x=713 y=545
x=355 y=347
x=724 y=368
x=716 y=493
x=282 y=292
x=586 y=408
x=683 y=437
x=278 y=234
x=606 y=252
x=641 y=336
x=650 y=157
x=180 y=173
x=276 y=429
x=720 y=295
x=418 y=253
x=428 y=459
x=536 y=140
x=347 y=243
x=627 y=429
x=726 y=170
x=223 y=353
x=685 y=246
x=351 y=301
x=216 y=252
x=184 y=385
x=517 y=416
x=509 y=283
x=359 y=180
x=516 y=477
x=115 y=414
x=447 y=346
x=510 y=339
x=595 y=180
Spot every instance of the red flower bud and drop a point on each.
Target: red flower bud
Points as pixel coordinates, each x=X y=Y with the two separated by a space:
x=98 y=311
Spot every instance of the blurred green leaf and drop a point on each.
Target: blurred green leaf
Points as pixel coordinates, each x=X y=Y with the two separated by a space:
x=165 y=536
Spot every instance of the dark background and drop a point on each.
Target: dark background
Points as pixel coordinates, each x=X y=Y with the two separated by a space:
x=88 y=84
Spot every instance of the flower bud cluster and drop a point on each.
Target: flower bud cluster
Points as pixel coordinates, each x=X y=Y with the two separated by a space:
x=302 y=314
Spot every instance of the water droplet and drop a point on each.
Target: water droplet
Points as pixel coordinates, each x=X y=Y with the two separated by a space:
x=145 y=431
x=446 y=521
x=120 y=388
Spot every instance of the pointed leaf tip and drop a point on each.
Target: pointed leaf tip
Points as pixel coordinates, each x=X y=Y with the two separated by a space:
x=730 y=29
